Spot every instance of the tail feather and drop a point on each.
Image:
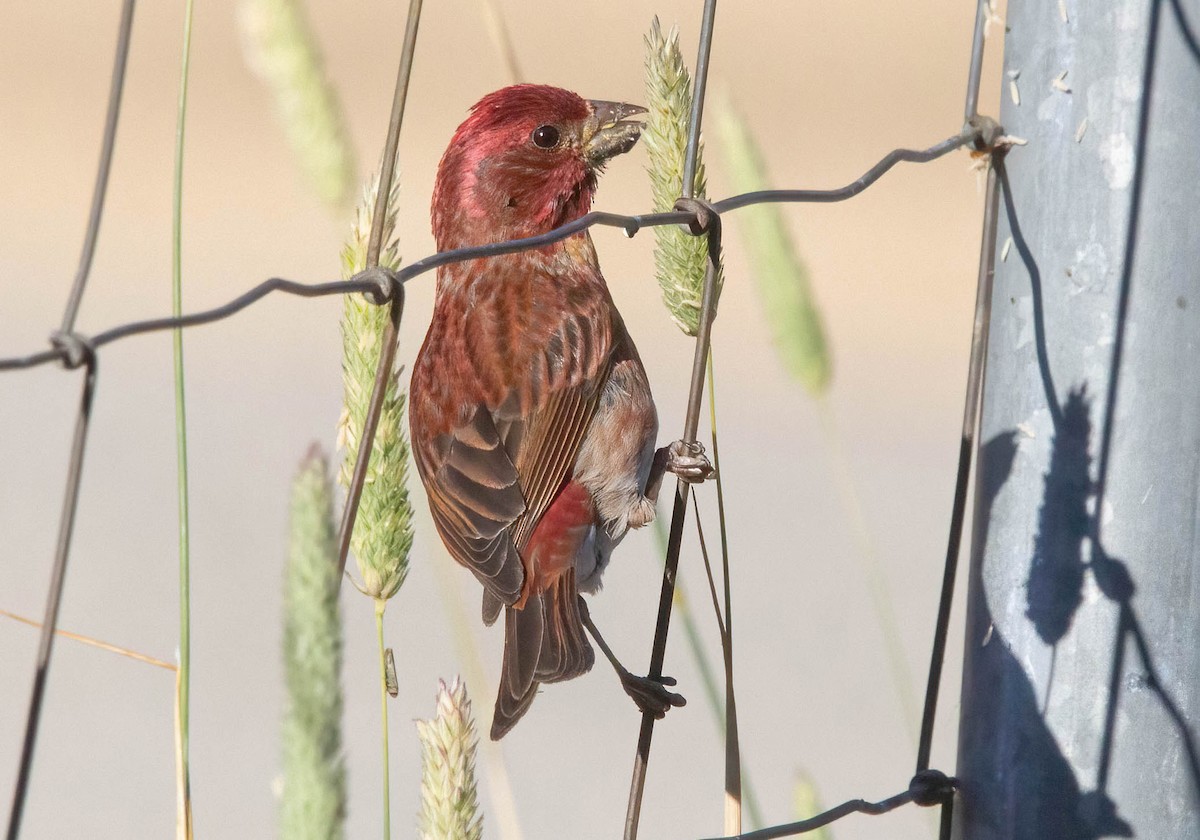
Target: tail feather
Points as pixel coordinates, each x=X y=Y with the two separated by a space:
x=509 y=709
x=491 y=607
x=566 y=652
x=524 y=632
x=543 y=642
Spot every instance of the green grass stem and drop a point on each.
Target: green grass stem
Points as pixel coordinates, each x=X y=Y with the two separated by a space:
x=798 y=336
x=183 y=698
x=807 y=805
x=380 y=606
x=733 y=755
x=708 y=679
x=502 y=40
x=867 y=554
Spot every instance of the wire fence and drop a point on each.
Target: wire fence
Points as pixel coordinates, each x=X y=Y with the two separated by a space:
x=928 y=787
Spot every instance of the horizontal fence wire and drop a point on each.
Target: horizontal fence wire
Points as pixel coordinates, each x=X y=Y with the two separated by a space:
x=379 y=283
x=854 y=806
x=65 y=344
x=384 y=287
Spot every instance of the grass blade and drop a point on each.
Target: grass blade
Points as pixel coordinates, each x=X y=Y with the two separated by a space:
x=783 y=281
x=183 y=681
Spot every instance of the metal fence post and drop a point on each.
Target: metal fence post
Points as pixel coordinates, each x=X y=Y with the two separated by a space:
x=1081 y=685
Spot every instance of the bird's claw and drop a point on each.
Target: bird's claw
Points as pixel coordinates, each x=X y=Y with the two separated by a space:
x=688 y=461
x=651 y=694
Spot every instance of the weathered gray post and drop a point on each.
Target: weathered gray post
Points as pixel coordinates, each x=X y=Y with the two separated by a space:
x=1081 y=685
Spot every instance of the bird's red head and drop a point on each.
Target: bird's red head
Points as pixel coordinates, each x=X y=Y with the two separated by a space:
x=524 y=162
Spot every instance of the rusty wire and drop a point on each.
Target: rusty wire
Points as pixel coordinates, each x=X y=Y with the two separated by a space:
x=928 y=787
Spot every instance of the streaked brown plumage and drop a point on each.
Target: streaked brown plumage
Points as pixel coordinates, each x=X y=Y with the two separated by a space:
x=532 y=422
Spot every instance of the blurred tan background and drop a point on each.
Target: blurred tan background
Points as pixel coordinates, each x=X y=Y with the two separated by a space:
x=827 y=87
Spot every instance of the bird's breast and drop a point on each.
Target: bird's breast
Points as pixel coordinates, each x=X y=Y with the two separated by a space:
x=508 y=331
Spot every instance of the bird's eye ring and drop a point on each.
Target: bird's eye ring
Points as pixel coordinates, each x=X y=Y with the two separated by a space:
x=545 y=137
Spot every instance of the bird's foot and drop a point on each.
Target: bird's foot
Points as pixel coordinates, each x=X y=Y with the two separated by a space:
x=688 y=461
x=651 y=694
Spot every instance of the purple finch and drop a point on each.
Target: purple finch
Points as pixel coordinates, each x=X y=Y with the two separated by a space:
x=532 y=422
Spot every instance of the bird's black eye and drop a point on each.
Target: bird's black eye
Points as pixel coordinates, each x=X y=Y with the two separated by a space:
x=545 y=137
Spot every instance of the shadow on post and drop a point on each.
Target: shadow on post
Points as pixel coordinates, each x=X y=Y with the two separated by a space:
x=1016 y=782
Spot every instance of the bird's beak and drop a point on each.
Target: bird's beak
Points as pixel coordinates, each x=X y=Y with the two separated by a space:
x=608 y=131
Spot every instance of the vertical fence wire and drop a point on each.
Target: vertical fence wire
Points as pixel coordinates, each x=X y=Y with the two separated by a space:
x=691 y=157
x=637 y=783
x=76 y=352
x=387 y=351
x=124 y=28
x=975 y=68
x=941 y=788
x=54 y=597
x=975 y=371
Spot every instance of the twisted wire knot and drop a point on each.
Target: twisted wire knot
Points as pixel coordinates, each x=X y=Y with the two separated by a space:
x=984 y=131
x=76 y=349
x=705 y=217
x=387 y=284
x=932 y=787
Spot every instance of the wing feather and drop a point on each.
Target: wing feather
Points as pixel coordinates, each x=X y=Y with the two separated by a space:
x=550 y=445
x=475 y=495
x=491 y=478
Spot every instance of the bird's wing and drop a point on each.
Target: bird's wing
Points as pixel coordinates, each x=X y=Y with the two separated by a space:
x=475 y=496
x=490 y=480
x=485 y=506
x=549 y=446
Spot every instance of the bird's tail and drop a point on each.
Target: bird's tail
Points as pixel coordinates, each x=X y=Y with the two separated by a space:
x=544 y=641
